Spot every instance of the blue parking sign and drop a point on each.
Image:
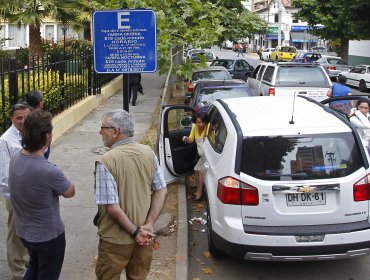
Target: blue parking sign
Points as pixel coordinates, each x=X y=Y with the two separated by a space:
x=125 y=41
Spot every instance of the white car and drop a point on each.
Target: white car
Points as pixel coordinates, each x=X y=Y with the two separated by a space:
x=281 y=184
x=358 y=76
x=266 y=54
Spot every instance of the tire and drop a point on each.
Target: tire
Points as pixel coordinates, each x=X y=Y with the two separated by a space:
x=362 y=86
x=211 y=246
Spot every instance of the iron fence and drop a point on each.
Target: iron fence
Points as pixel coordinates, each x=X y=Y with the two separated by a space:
x=64 y=79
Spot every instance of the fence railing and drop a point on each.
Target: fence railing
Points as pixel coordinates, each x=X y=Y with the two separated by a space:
x=64 y=80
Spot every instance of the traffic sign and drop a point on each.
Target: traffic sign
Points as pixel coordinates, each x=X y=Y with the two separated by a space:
x=125 y=41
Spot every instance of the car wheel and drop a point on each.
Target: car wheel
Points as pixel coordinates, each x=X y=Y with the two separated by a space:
x=211 y=246
x=362 y=86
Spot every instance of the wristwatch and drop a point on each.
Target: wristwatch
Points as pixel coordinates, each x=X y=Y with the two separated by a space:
x=134 y=234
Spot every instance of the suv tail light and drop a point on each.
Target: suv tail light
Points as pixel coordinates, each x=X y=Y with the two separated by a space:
x=233 y=191
x=271 y=91
x=332 y=68
x=361 y=190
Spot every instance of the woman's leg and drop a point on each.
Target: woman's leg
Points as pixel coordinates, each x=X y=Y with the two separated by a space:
x=200 y=182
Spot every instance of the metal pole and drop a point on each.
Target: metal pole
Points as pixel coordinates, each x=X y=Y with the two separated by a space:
x=125 y=89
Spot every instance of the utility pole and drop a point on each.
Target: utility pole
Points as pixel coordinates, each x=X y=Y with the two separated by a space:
x=280 y=9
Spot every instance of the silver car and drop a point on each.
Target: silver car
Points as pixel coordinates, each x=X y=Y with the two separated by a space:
x=333 y=65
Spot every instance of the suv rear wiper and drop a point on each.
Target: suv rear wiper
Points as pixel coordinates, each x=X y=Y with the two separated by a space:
x=291 y=175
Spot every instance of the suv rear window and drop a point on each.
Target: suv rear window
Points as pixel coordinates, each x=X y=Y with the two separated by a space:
x=301 y=76
x=320 y=156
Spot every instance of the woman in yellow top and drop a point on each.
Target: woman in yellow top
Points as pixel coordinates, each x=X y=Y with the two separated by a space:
x=198 y=132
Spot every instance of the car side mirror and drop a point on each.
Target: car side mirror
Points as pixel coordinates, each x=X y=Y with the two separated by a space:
x=186 y=121
x=251 y=68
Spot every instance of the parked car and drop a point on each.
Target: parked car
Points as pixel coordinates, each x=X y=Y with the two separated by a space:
x=209 y=57
x=289 y=78
x=306 y=57
x=238 y=68
x=266 y=54
x=281 y=184
x=285 y=53
x=358 y=76
x=207 y=91
x=333 y=65
x=209 y=73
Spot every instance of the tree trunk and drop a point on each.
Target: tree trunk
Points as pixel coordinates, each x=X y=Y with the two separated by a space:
x=35 y=41
x=344 y=46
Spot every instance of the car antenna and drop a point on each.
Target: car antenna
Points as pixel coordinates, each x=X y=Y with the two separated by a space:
x=292 y=121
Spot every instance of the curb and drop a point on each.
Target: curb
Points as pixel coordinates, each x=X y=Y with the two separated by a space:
x=182 y=233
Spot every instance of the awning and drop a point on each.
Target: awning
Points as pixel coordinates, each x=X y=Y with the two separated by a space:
x=274 y=36
x=301 y=37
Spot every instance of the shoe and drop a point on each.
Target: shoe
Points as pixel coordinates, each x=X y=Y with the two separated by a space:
x=133 y=103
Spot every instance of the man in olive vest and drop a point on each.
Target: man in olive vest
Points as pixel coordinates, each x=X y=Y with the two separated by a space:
x=130 y=192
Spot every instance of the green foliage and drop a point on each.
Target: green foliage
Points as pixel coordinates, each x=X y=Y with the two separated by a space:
x=341 y=18
x=55 y=92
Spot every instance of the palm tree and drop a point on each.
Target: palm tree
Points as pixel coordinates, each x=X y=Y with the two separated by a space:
x=32 y=12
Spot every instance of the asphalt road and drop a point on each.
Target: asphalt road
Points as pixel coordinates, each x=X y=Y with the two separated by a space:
x=204 y=266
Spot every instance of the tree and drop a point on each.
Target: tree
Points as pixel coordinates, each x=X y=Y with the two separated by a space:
x=199 y=22
x=342 y=19
x=33 y=12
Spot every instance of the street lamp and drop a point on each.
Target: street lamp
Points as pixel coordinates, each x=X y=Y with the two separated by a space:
x=278 y=5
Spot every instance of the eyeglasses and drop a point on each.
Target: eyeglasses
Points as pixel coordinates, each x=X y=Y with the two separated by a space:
x=108 y=127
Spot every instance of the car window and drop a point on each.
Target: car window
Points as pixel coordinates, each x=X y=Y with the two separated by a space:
x=224 y=63
x=210 y=75
x=261 y=72
x=254 y=75
x=245 y=64
x=368 y=69
x=363 y=70
x=268 y=74
x=305 y=157
x=300 y=76
x=217 y=132
x=337 y=61
x=238 y=65
x=320 y=60
x=288 y=49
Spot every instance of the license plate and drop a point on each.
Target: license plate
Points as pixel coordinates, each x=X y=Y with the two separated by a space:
x=306 y=199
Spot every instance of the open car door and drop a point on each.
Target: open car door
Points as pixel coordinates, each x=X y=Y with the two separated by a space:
x=175 y=157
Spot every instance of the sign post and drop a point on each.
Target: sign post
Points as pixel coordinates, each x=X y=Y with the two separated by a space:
x=125 y=42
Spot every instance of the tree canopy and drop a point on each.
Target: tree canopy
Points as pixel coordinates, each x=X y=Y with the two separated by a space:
x=342 y=19
x=33 y=12
x=198 y=22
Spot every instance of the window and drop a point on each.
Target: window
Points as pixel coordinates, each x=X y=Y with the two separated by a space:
x=261 y=72
x=238 y=65
x=49 y=32
x=268 y=74
x=305 y=157
x=2 y=35
x=17 y=35
x=217 y=132
x=254 y=75
x=245 y=64
x=295 y=20
x=301 y=76
x=276 y=18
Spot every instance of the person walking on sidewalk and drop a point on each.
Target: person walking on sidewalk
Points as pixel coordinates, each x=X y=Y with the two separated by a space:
x=130 y=193
x=10 y=144
x=35 y=186
x=135 y=86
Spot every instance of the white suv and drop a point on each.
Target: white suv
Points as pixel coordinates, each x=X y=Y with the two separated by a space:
x=289 y=78
x=292 y=185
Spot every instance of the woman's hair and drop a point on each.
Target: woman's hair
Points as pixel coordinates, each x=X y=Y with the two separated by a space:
x=342 y=79
x=34 y=98
x=36 y=127
x=201 y=115
x=362 y=100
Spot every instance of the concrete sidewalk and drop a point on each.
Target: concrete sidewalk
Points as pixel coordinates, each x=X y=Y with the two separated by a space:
x=75 y=153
